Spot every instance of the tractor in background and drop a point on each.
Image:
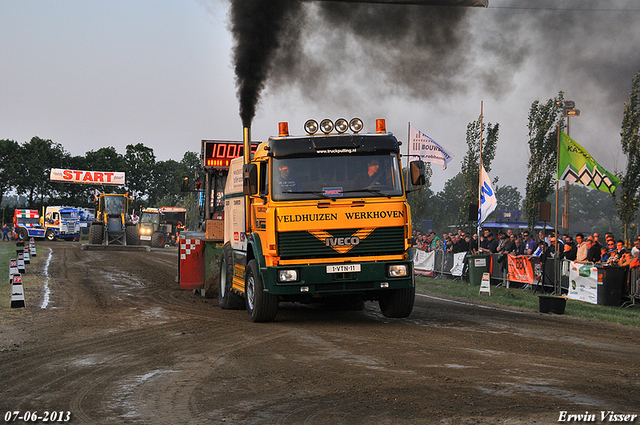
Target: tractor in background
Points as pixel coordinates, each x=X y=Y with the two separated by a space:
x=161 y=226
x=112 y=224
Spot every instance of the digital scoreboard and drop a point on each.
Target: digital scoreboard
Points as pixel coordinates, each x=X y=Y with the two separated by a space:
x=217 y=154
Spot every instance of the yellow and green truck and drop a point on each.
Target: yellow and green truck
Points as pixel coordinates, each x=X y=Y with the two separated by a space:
x=321 y=217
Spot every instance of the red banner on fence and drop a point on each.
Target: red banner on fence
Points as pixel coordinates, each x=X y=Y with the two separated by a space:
x=520 y=269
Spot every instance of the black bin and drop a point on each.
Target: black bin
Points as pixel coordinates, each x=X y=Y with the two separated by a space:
x=611 y=279
x=551 y=304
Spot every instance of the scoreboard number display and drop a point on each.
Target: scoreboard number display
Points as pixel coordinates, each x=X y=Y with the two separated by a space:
x=217 y=154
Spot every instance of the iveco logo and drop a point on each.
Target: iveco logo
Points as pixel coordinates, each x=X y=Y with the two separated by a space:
x=350 y=241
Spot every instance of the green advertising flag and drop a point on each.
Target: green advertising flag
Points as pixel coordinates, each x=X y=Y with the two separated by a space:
x=576 y=165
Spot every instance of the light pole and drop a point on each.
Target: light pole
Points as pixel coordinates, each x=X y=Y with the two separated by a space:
x=568 y=110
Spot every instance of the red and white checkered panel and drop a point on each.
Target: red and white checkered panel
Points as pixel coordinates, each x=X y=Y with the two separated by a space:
x=192 y=263
x=187 y=246
x=27 y=213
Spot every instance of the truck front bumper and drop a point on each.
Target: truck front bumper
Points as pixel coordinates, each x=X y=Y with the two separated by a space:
x=317 y=279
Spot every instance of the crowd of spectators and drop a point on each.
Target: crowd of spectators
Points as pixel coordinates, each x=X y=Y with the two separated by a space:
x=585 y=249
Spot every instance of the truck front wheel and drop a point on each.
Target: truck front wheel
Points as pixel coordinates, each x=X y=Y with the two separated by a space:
x=23 y=234
x=261 y=306
x=397 y=303
x=51 y=235
x=227 y=299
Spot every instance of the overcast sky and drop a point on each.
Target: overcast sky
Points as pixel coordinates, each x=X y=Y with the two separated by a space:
x=88 y=74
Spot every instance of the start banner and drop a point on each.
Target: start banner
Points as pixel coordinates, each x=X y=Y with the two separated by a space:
x=111 y=178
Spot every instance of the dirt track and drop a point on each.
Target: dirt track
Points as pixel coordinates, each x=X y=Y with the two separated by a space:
x=120 y=342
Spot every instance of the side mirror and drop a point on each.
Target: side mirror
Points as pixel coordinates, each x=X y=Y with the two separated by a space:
x=250 y=179
x=417 y=173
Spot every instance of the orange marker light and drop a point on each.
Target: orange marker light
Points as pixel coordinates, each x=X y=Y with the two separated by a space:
x=381 y=126
x=283 y=129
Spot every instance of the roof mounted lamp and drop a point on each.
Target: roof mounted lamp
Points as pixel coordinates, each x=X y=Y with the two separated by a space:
x=311 y=126
x=341 y=125
x=356 y=125
x=326 y=126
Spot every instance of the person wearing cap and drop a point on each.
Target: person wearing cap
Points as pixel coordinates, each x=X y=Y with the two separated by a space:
x=372 y=176
x=285 y=182
x=570 y=250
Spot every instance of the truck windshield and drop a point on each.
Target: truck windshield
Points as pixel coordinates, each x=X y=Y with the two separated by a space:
x=69 y=215
x=336 y=177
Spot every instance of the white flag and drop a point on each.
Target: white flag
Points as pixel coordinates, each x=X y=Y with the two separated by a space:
x=488 y=201
x=427 y=148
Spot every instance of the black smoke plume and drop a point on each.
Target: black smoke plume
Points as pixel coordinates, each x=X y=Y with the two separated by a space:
x=268 y=37
x=327 y=49
x=258 y=28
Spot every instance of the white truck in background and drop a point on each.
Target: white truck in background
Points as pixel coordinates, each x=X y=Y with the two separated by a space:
x=61 y=222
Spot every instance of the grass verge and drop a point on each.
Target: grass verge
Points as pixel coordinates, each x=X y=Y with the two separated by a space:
x=525 y=299
x=29 y=279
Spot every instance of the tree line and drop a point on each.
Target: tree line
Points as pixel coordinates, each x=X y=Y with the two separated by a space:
x=25 y=167
x=25 y=172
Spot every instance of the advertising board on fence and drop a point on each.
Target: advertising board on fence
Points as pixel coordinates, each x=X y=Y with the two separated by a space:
x=423 y=262
x=519 y=269
x=583 y=282
x=458 y=263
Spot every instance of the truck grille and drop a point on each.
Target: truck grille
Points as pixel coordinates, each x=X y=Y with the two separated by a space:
x=303 y=244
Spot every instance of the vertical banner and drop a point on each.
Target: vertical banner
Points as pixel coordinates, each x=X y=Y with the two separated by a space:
x=488 y=201
x=583 y=282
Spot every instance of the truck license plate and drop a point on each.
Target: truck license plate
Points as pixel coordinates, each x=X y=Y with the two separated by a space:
x=343 y=268
x=145 y=238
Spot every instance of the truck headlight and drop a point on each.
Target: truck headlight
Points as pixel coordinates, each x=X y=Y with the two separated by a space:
x=287 y=275
x=397 y=270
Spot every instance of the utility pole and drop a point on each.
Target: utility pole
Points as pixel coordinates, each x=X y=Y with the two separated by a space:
x=568 y=110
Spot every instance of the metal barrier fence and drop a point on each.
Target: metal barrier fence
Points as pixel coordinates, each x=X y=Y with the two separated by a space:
x=545 y=274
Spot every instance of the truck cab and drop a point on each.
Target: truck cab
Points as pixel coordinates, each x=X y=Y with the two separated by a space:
x=61 y=222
